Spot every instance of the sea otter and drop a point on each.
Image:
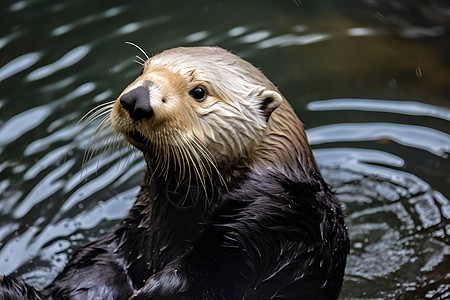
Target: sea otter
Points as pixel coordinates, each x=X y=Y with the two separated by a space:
x=232 y=206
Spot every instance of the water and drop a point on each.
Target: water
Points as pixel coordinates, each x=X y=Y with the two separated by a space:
x=370 y=81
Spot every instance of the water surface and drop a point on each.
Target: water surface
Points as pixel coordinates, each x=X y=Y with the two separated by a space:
x=370 y=81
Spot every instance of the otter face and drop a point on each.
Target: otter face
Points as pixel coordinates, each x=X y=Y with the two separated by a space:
x=196 y=102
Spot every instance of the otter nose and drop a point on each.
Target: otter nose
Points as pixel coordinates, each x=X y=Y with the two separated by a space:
x=137 y=103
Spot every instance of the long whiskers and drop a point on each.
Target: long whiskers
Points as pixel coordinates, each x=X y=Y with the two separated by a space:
x=208 y=158
x=140 y=49
x=189 y=157
x=140 y=60
x=95 y=113
x=104 y=138
x=172 y=149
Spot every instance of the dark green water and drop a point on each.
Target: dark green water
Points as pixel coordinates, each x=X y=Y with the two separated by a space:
x=370 y=80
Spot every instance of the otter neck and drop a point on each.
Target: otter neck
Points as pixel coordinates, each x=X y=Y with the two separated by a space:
x=285 y=147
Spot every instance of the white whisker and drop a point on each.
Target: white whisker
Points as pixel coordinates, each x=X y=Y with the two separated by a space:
x=95 y=109
x=133 y=44
x=172 y=149
x=140 y=58
x=104 y=139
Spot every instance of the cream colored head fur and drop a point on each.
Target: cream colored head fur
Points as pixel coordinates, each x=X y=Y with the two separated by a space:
x=233 y=124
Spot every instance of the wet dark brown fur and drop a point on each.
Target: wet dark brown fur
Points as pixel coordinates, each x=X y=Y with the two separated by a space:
x=267 y=227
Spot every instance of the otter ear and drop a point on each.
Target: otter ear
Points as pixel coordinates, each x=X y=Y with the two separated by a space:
x=270 y=100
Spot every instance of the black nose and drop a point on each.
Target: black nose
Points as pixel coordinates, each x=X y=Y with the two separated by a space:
x=137 y=103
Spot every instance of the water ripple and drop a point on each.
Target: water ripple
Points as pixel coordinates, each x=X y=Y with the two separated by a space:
x=21 y=123
x=421 y=32
x=428 y=139
x=46 y=187
x=10 y=37
x=400 y=107
x=18 y=5
x=256 y=36
x=292 y=40
x=237 y=31
x=65 y=134
x=129 y=28
x=48 y=160
x=14 y=258
x=32 y=242
x=361 y=31
x=352 y=156
x=63 y=29
x=19 y=64
x=94 y=185
x=197 y=36
x=80 y=91
x=397 y=222
x=134 y=26
x=67 y=60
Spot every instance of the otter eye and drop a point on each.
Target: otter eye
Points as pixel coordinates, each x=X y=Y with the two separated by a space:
x=198 y=93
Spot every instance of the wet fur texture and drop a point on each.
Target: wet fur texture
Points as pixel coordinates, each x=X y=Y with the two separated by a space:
x=256 y=222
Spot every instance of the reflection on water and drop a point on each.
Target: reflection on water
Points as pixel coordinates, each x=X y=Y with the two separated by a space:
x=387 y=159
x=399 y=224
x=399 y=107
x=414 y=136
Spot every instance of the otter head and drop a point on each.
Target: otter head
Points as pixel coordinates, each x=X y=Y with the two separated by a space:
x=192 y=105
